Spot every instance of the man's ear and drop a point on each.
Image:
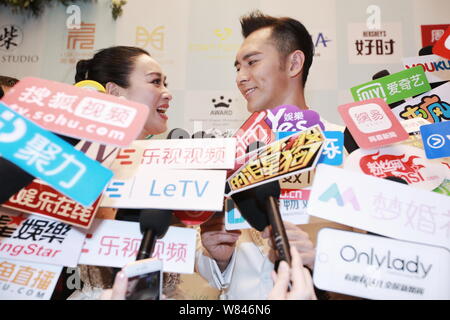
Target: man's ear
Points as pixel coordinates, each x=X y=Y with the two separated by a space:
x=114 y=89
x=295 y=63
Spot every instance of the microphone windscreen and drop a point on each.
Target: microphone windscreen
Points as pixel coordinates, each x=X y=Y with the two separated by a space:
x=124 y=214
x=250 y=209
x=349 y=142
x=266 y=190
x=157 y=220
x=70 y=140
x=425 y=51
x=178 y=133
x=396 y=179
x=13 y=179
x=199 y=135
x=380 y=74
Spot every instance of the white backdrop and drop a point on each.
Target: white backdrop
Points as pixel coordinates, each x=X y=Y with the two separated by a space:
x=196 y=41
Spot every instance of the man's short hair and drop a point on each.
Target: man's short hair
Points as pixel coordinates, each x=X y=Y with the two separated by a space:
x=288 y=34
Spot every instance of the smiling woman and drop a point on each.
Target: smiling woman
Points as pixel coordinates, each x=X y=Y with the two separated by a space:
x=131 y=73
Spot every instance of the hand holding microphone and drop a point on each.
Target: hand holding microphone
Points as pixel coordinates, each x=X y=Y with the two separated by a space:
x=292 y=282
x=298 y=239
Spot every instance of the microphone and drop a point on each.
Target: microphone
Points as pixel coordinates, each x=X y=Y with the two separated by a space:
x=178 y=133
x=17 y=178
x=267 y=196
x=425 y=51
x=259 y=206
x=154 y=224
x=246 y=200
x=250 y=209
x=396 y=179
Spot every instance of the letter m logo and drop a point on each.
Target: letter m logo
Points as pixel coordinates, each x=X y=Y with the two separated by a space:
x=341 y=199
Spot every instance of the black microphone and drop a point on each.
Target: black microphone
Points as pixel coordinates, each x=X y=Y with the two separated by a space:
x=267 y=196
x=154 y=224
x=259 y=206
x=16 y=178
x=250 y=209
x=246 y=200
x=425 y=51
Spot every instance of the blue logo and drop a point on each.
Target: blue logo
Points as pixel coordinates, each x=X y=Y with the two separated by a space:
x=113 y=189
x=283 y=134
x=233 y=214
x=51 y=159
x=333 y=151
x=436 y=139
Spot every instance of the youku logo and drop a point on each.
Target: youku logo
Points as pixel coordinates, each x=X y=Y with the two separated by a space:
x=220 y=103
x=433 y=66
x=11 y=37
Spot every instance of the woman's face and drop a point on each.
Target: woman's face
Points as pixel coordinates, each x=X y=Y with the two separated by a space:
x=147 y=86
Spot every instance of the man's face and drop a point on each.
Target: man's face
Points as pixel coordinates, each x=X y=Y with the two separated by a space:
x=261 y=78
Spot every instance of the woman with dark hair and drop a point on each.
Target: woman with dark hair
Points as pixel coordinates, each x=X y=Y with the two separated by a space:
x=131 y=73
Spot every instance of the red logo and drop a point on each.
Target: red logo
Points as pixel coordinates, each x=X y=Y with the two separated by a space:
x=391 y=165
x=193 y=217
x=432 y=33
x=442 y=47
